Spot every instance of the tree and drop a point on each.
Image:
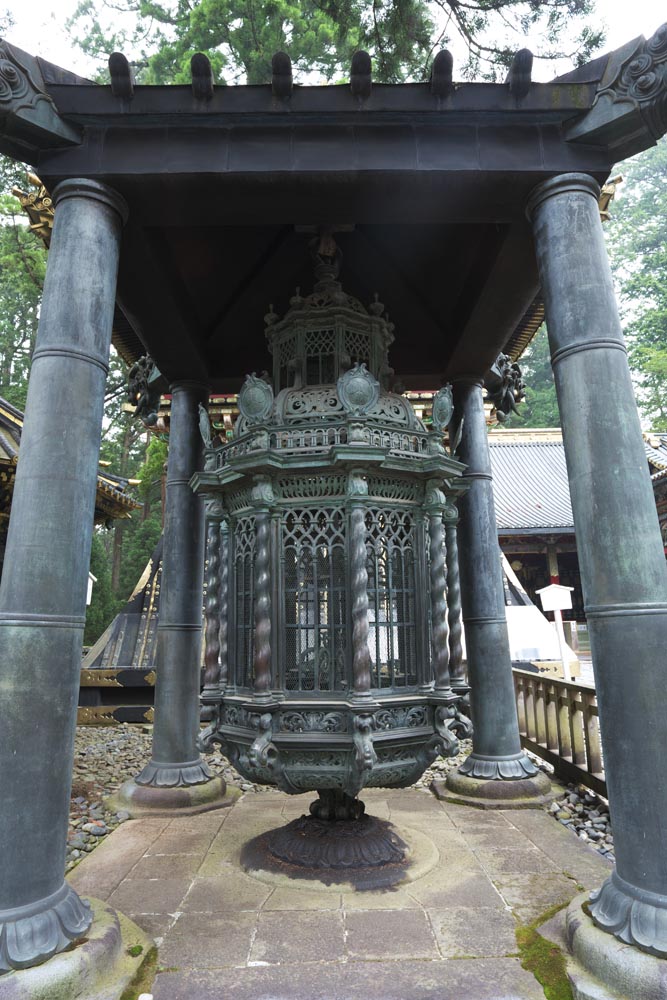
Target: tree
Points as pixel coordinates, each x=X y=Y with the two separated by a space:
x=241 y=36
x=540 y=407
x=102 y=607
x=22 y=270
x=637 y=243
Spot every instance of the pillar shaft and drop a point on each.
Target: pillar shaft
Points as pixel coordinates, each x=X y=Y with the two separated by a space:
x=623 y=572
x=43 y=592
x=497 y=752
x=176 y=760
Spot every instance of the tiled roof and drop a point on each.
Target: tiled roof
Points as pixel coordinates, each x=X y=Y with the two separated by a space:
x=530 y=483
x=655 y=446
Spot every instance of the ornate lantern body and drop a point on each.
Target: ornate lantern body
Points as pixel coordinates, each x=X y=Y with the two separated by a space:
x=326 y=657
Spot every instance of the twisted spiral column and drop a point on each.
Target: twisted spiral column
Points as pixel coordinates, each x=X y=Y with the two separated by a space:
x=438 y=584
x=212 y=612
x=262 y=497
x=223 y=639
x=454 y=605
x=357 y=489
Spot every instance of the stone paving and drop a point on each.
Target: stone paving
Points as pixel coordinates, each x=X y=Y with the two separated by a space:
x=446 y=933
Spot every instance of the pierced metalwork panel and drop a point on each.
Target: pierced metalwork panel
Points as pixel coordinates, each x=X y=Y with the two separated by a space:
x=241 y=500
x=311 y=487
x=389 y=488
x=314 y=599
x=304 y=404
x=391 y=597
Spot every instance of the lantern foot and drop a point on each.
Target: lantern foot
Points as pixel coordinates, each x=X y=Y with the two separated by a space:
x=336 y=843
x=334 y=804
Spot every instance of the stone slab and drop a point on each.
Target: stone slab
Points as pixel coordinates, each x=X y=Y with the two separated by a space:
x=485 y=979
x=447 y=930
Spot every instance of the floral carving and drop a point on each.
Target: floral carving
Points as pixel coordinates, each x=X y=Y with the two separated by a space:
x=309 y=722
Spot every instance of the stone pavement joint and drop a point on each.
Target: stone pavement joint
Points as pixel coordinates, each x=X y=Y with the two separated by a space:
x=448 y=932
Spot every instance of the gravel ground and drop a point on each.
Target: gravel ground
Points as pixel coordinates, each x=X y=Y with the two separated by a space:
x=105 y=756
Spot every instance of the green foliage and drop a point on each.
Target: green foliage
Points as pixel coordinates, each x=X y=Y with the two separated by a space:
x=152 y=469
x=540 y=407
x=139 y=539
x=637 y=243
x=240 y=36
x=102 y=607
x=22 y=270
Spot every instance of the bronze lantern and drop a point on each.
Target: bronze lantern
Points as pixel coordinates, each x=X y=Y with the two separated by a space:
x=327 y=660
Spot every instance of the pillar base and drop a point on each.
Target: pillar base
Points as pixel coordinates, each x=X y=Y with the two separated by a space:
x=113 y=960
x=35 y=933
x=601 y=967
x=186 y=800
x=633 y=915
x=495 y=793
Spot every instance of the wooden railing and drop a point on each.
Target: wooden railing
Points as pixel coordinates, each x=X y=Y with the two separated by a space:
x=558 y=721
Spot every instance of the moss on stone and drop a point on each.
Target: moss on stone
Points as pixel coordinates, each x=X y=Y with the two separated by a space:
x=143 y=981
x=544 y=958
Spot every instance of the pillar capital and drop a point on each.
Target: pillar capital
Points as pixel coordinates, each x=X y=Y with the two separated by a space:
x=465 y=378
x=81 y=187
x=191 y=386
x=573 y=183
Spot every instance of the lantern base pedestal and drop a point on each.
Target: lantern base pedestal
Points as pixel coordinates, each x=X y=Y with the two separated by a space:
x=336 y=844
x=521 y=793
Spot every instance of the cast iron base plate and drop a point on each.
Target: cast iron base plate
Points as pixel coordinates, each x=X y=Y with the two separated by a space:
x=366 y=852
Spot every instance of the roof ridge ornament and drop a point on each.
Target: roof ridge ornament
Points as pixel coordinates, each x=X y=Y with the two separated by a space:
x=202 y=77
x=629 y=113
x=442 y=70
x=519 y=77
x=361 y=71
x=122 y=78
x=282 y=80
x=31 y=112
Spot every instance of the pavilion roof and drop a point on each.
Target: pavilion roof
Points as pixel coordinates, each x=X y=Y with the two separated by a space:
x=423 y=184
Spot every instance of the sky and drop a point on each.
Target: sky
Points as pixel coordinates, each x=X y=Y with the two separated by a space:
x=40 y=29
